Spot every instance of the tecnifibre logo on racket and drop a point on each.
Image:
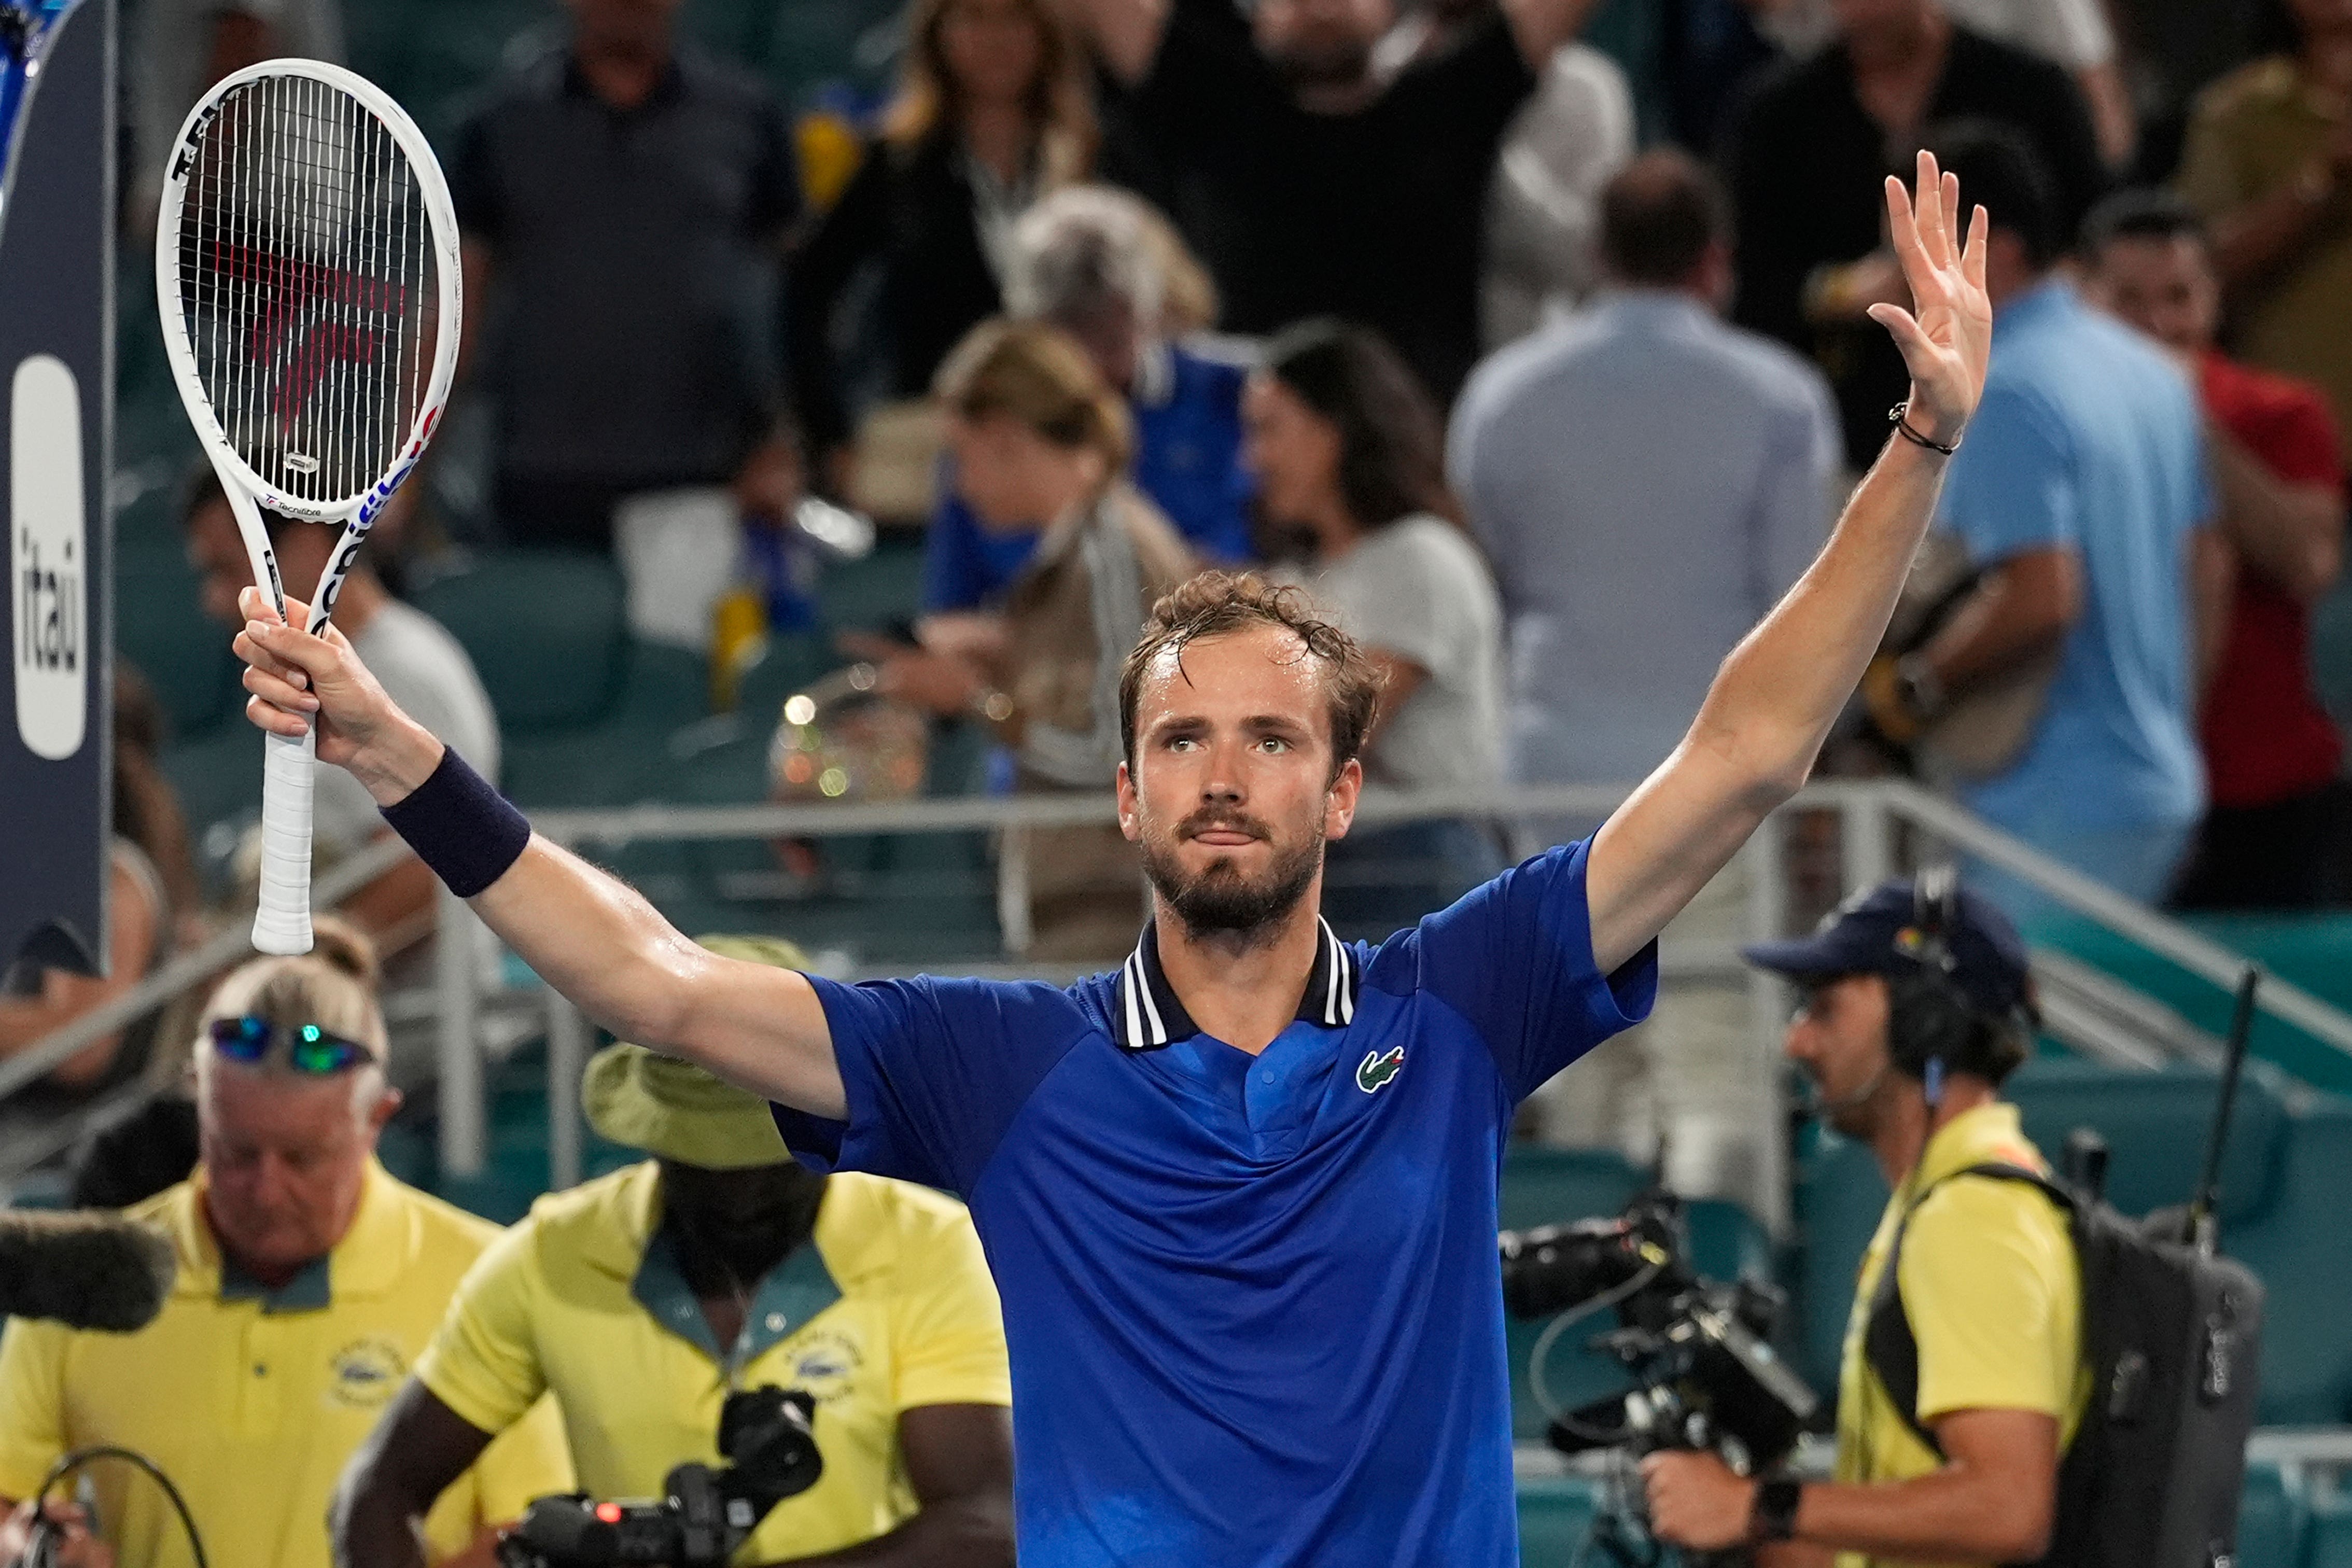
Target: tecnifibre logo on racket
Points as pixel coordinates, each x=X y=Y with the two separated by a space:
x=1376 y=1069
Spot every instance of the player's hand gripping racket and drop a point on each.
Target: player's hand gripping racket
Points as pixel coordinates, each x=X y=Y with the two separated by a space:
x=306 y=268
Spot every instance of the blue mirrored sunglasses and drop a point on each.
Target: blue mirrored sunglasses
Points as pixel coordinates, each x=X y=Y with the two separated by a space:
x=309 y=1048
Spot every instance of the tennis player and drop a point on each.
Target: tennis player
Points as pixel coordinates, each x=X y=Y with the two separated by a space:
x=1239 y=1196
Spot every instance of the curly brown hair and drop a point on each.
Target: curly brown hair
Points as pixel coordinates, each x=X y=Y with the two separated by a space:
x=1216 y=602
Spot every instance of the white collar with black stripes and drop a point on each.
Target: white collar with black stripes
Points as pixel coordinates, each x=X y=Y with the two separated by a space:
x=1145 y=1013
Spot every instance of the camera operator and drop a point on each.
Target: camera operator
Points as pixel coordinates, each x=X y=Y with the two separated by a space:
x=642 y=1298
x=1915 y=1004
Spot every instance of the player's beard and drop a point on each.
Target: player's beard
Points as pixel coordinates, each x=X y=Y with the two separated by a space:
x=1221 y=900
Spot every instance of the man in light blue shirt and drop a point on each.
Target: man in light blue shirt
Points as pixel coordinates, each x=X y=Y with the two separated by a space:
x=1647 y=481
x=2082 y=496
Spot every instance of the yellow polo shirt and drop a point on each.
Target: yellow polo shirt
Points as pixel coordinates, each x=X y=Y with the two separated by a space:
x=891 y=1309
x=252 y=1402
x=1994 y=1293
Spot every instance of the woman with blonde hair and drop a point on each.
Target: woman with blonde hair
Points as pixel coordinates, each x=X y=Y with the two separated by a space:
x=994 y=109
x=1041 y=441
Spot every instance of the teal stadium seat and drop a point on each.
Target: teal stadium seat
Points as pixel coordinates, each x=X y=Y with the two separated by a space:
x=160 y=628
x=2274 y=1519
x=2329 y=1543
x=2287 y=1182
x=584 y=708
x=1555 y=1517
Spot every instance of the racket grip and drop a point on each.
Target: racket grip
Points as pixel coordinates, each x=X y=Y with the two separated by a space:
x=282 y=922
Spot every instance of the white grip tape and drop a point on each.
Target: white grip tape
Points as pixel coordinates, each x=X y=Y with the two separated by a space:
x=282 y=922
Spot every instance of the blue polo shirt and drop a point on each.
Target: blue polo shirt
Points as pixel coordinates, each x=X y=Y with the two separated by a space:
x=1188 y=459
x=1251 y=1302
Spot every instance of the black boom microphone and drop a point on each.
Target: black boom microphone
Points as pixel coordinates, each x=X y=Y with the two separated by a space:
x=87 y=1269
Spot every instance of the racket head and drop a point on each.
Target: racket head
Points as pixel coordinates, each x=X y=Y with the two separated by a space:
x=307 y=276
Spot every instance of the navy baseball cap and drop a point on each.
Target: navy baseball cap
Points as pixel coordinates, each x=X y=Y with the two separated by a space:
x=1876 y=932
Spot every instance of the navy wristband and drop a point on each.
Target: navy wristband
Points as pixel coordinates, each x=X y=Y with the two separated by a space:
x=460 y=826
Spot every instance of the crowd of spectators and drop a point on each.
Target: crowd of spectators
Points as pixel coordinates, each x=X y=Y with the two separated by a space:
x=1541 y=361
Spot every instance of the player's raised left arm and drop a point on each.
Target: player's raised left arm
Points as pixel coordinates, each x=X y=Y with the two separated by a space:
x=1771 y=706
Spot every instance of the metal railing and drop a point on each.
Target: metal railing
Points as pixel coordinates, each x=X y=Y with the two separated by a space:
x=1870 y=814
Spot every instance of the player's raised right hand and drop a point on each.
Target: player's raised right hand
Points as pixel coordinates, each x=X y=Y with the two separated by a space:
x=297 y=681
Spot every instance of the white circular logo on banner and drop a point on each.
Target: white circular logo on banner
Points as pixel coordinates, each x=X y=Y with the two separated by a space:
x=48 y=554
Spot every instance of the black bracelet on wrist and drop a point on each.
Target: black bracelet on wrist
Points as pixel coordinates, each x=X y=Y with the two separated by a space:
x=460 y=826
x=1773 y=1517
x=1902 y=424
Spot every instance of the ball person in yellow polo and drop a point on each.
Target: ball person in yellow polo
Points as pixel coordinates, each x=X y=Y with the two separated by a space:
x=310 y=1281
x=642 y=1298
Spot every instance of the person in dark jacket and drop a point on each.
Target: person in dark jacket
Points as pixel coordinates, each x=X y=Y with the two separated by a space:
x=1806 y=161
x=995 y=109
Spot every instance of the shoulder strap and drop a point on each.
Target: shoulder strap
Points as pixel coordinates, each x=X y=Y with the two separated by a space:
x=1888 y=1345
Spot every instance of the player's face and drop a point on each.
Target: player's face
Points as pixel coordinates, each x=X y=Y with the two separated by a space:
x=2166 y=288
x=1839 y=1037
x=1014 y=479
x=285 y=1158
x=1312 y=41
x=1232 y=795
x=992 y=47
x=1292 y=451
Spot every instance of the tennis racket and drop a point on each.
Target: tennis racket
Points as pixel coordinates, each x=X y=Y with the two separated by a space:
x=306 y=269
x=27 y=28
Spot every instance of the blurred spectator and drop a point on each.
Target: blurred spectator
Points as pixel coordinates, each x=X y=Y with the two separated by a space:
x=1349 y=459
x=146 y=808
x=1807 y=156
x=2272 y=754
x=412 y=655
x=2268 y=161
x=308 y=1278
x=1632 y=558
x=2072 y=33
x=1310 y=184
x=1576 y=132
x=185 y=46
x=1543 y=214
x=151 y=898
x=994 y=109
x=1041 y=441
x=2080 y=492
x=623 y=202
x=1090 y=260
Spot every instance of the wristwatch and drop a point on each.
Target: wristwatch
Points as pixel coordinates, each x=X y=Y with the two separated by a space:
x=1773 y=1515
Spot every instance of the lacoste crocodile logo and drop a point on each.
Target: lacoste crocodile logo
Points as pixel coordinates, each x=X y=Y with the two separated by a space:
x=1377 y=1069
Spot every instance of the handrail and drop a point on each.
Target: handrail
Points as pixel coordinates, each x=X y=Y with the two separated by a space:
x=1867 y=808
x=45 y=1055
x=1076 y=809
x=2201 y=956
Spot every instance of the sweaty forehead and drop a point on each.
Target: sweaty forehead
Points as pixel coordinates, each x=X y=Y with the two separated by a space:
x=1253 y=672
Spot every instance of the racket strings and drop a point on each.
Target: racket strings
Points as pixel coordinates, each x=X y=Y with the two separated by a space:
x=307 y=286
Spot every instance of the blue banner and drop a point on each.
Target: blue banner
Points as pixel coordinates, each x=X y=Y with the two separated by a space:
x=57 y=414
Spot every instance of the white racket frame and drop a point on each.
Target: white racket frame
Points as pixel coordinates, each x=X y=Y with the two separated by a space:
x=281 y=924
